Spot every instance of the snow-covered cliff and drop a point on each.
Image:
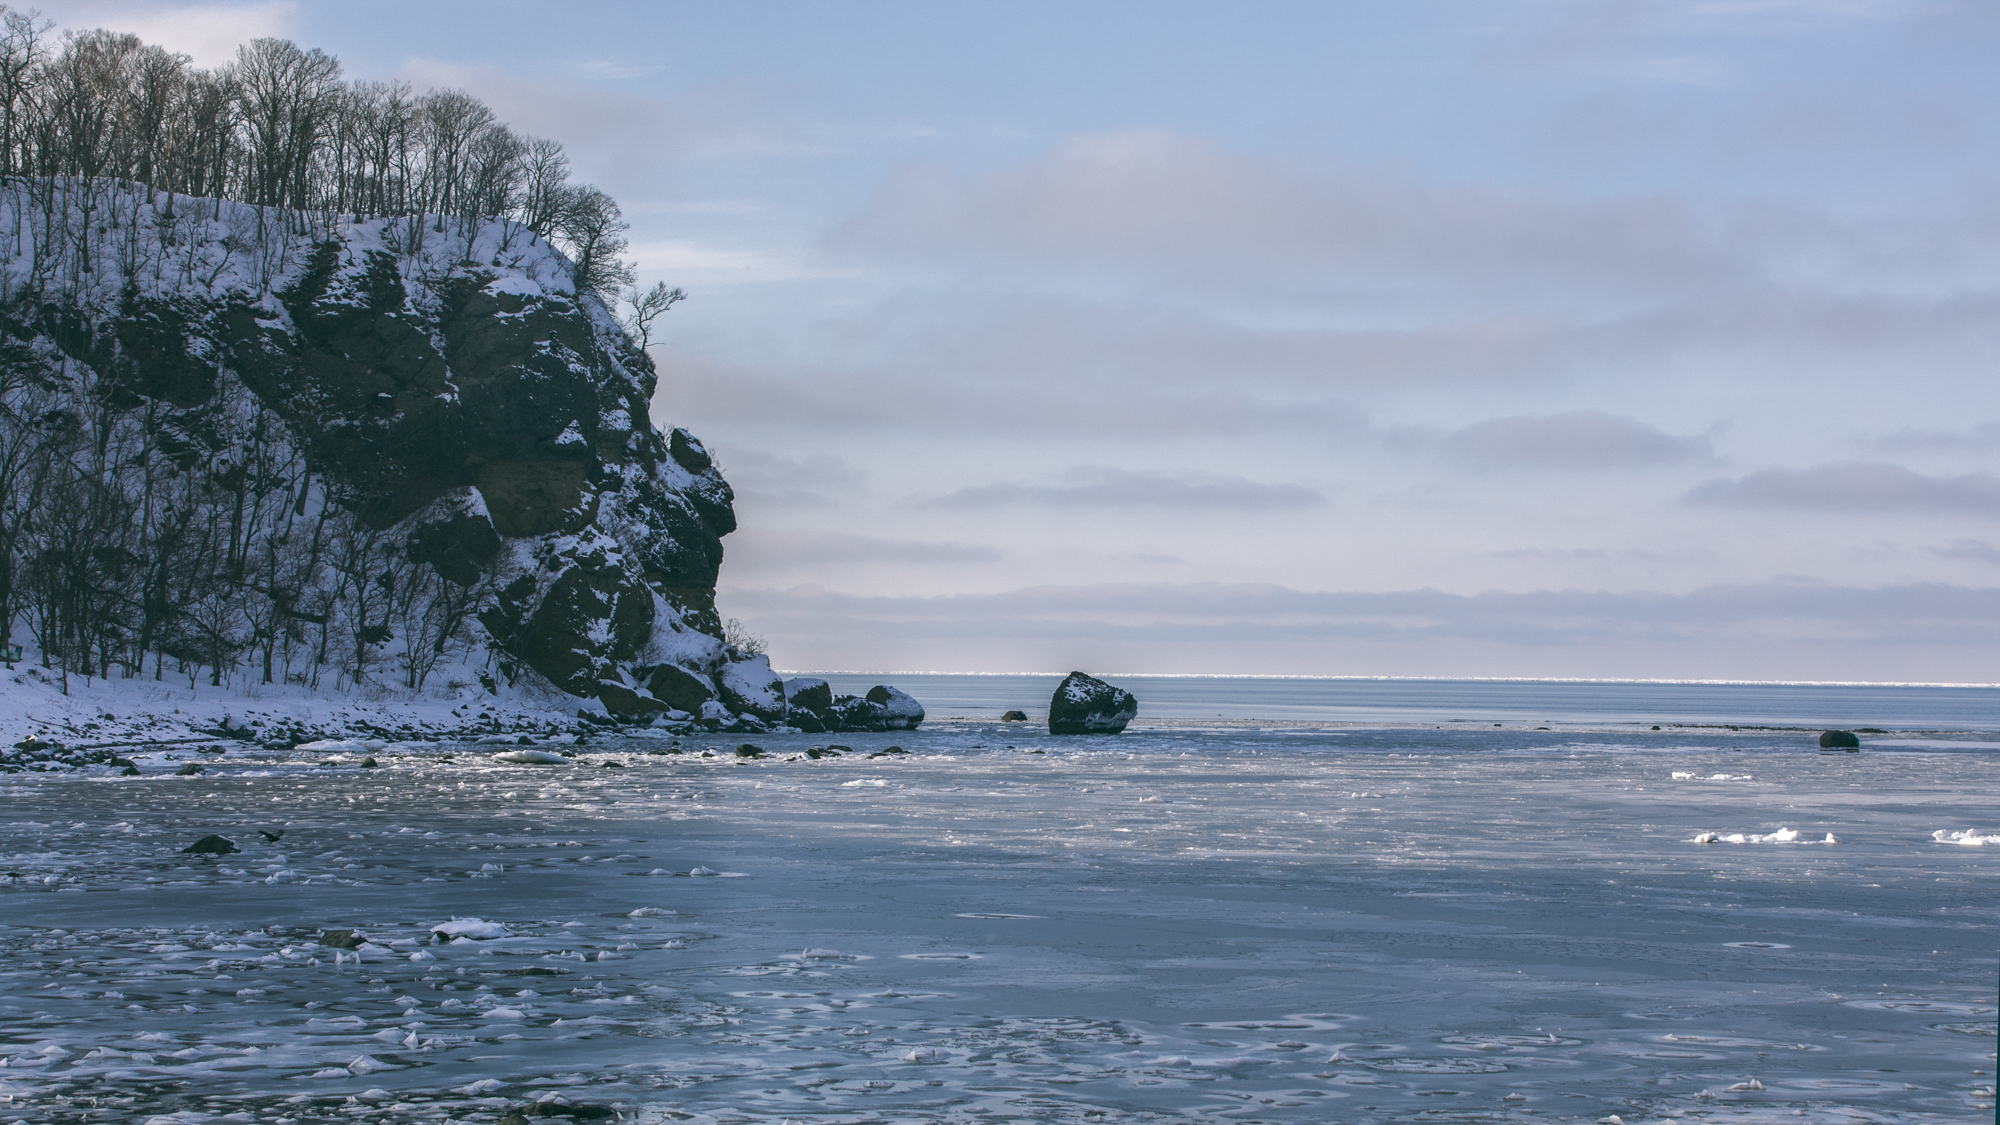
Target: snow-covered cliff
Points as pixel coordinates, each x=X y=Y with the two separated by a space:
x=338 y=453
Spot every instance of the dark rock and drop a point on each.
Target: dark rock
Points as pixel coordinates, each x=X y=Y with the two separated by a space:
x=1014 y=717
x=1087 y=705
x=613 y=765
x=839 y=749
x=189 y=770
x=368 y=763
x=887 y=751
x=210 y=845
x=899 y=711
x=818 y=752
x=679 y=688
x=626 y=701
x=122 y=763
x=749 y=687
x=513 y=1118
x=459 y=541
x=808 y=693
x=130 y=771
x=851 y=713
x=747 y=750
x=1839 y=740
x=807 y=722
x=342 y=939
x=688 y=452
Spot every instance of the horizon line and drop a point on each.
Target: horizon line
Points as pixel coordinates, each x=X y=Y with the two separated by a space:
x=1410 y=679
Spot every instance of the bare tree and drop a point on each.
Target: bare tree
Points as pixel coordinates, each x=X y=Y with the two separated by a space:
x=647 y=307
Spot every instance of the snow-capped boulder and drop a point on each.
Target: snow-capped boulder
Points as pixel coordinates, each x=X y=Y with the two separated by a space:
x=898 y=711
x=679 y=688
x=1087 y=705
x=808 y=693
x=749 y=687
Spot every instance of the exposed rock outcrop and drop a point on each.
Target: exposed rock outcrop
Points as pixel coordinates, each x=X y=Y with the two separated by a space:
x=1087 y=705
x=1839 y=740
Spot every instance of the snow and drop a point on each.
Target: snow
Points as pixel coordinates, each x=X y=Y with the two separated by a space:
x=1508 y=920
x=1967 y=837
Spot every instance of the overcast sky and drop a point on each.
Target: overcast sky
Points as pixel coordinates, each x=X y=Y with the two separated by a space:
x=1510 y=339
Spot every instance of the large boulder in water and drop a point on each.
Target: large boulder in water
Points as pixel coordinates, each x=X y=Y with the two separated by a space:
x=1839 y=740
x=898 y=710
x=1087 y=705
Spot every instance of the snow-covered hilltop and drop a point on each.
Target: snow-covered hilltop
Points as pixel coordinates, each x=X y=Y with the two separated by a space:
x=241 y=445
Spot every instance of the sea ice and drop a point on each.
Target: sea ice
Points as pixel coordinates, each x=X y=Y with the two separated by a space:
x=1969 y=838
x=473 y=928
x=531 y=758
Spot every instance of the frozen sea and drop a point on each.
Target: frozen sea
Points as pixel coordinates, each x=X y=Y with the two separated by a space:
x=1276 y=901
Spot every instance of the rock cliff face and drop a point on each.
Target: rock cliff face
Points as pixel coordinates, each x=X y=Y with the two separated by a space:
x=443 y=384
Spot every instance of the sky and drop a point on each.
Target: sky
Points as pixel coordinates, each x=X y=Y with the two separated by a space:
x=1522 y=339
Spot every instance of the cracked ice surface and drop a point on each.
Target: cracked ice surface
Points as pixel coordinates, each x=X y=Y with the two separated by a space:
x=1227 y=923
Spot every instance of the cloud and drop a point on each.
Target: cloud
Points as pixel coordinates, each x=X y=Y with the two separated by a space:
x=1103 y=486
x=1857 y=486
x=1970 y=550
x=1978 y=439
x=1160 y=198
x=1773 y=630
x=1580 y=441
x=752 y=552
x=207 y=33
x=774 y=479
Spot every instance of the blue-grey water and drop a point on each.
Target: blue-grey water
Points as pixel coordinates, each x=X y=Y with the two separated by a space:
x=1299 y=916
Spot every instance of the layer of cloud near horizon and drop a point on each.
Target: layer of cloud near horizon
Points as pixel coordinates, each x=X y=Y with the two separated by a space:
x=1857 y=487
x=1103 y=486
x=1522 y=308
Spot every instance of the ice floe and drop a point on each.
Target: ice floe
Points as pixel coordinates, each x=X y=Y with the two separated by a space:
x=1969 y=838
x=531 y=758
x=1781 y=836
x=474 y=928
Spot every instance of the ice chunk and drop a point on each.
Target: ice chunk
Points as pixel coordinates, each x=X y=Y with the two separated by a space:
x=503 y=1014
x=483 y=1086
x=865 y=783
x=1969 y=838
x=531 y=758
x=472 y=928
x=701 y=872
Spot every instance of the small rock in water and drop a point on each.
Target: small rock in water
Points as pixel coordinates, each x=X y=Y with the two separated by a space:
x=1087 y=705
x=1014 y=717
x=130 y=771
x=368 y=763
x=1839 y=740
x=210 y=845
x=887 y=751
x=189 y=770
x=747 y=750
x=342 y=939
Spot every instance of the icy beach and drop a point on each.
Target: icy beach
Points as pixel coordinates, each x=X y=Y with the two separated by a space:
x=1227 y=921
